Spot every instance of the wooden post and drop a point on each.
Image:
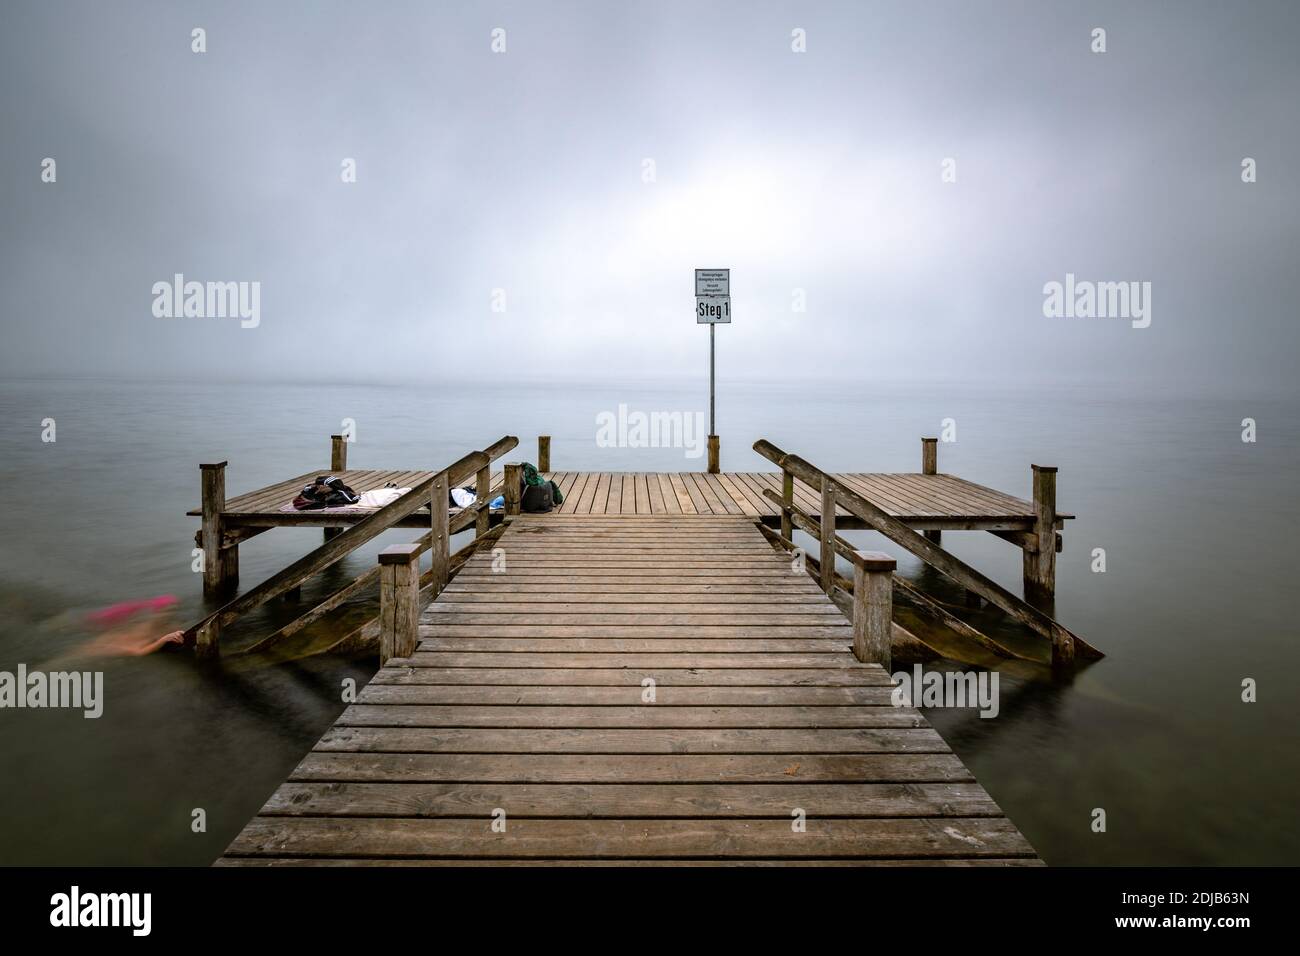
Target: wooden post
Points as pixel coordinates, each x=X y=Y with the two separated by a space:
x=338 y=463
x=827 y=558
x=787 y=505
x=220 y=565
x=399 y=601
x=930 y=466
x=543 y=453
x=482 y=485
x=713 y=454
x=929 y=456
x=1040 y=559
x=440 y=540
x=512 y=480
x=873 y=607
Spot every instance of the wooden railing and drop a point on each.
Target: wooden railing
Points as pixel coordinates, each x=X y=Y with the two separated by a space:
x=1065 y=645
x=205 y=636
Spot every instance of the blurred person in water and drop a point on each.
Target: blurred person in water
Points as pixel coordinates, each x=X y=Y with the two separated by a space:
x=130 y=629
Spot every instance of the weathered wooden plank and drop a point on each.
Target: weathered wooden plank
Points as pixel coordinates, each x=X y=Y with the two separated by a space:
x=594 y=801
x=698 y=741
x=451 y=715
x=844 y=838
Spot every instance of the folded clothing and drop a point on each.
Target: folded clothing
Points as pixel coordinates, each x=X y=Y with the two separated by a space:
x=462 y=497
x=327 y=491
x=380 y=497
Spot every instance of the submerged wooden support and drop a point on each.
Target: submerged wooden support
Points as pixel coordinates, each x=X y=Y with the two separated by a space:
x=1040 y=560
x=544 y=453
x=873 y=607
x=399 y=601
x=220 y=561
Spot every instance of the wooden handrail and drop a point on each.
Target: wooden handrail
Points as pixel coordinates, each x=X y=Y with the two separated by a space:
x=205 y=635
x=1065 y=644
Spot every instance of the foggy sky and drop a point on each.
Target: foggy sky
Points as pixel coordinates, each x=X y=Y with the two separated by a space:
x=523 y=171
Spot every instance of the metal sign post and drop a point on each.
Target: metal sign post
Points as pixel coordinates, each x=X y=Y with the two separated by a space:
x=712 y=308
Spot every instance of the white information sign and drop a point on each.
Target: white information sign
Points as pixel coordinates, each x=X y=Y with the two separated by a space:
x=712 y=282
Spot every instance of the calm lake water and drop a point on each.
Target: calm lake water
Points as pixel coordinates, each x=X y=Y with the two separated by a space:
x=1197 y=526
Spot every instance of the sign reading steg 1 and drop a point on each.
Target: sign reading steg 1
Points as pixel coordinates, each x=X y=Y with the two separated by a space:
x=712 y=296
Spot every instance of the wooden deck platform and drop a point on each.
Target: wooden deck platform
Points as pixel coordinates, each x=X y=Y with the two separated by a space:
x=924 y=502
x=644 y=681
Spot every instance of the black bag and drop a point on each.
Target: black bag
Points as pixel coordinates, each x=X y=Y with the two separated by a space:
x=537 y=499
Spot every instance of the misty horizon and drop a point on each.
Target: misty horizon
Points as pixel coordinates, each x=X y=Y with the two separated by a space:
x=485 y=178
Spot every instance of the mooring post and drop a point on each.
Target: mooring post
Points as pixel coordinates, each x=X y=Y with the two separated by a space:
x=512 y=481
x=482 y=485
x=930 y=466
x=399 y=601
x=828 y=535
x=713 y=455
x=543 y=453
x=787 y=505
x=1040 y=555
x=220 y=565
x=440 y=543
x=338 y=463
x=873 y=607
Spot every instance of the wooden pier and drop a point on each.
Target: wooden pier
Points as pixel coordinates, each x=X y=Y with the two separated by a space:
x=654 y=672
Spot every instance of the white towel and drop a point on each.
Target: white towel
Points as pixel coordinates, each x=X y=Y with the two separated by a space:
x=380 y=497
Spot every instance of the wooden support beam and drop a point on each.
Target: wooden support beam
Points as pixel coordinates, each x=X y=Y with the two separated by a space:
x=439 y=531
x=544 y=453
x=399 y=601
x=873 y=607
x=1040 y=563
x=827 y=536
x=220 y=563
x=714 y=455
x=1028 y=540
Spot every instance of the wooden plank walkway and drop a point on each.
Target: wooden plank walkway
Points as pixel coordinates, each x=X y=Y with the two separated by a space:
x=529 y=696
x=924 y=501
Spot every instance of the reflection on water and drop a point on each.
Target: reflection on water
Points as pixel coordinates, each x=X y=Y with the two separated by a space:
x=1195 y=525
